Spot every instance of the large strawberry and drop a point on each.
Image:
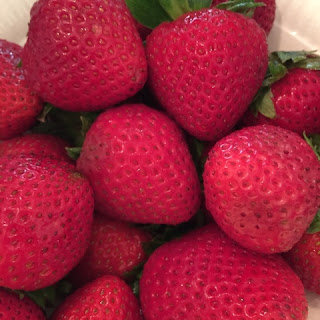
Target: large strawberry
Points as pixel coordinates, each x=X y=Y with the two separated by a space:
x=199 y=66
x=106 y=298
x=115 y=248
x=139 y=166
x=12 y=307
x=304 y=257
x=263 y=15
x=19 y=106
x=83 y=55
x=205 y=275
x=261 y=185
x=290 y=95
x=42 y=145
x=45 y=215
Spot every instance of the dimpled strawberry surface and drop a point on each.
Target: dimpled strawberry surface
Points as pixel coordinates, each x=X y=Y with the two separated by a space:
x=205 y=275
x=261 y=185
x=46 y=214
x=139 y=166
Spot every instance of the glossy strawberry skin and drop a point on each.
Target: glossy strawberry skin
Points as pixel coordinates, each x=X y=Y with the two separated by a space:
x=199 y=65
x=116 y=248
x=261 y=185
x=304 y=258
x=263 y=15
x=205 y=275
x=46 y=216
x=41 y=145
x=106 y=298
x=83 y=56
x=139 y=166
x=296 y=99
x=19 y=106
x=12 y=307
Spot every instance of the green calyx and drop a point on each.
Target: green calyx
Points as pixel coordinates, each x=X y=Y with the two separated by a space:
x=280 y=63
x=245 y=7
x=315 y=225
x=313 y=141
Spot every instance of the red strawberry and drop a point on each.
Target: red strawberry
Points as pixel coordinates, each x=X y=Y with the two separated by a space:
x=261 y=185
x=116 y=248
x=304 y=258
x=263 y=15
x=41 y=145
x=296 y=100
x=19 y=107
x=46 y=214
x=12 y=307
x=205 y=275
x=107 y=298
x=83 y=55
x=139 y=166
x=210 y=56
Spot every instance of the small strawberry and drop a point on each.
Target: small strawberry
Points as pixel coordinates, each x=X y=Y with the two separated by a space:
x=83 y=55
x=46 y=214
x=19 y=106
x=261 y=185
x=199 y=66
x=139 y=166
x=116 y=248
x=12 y=307
x=41 y=145
x=263 y=15
x=205 y=275
x=290 y=95
x=304 y=257
x=106 y=298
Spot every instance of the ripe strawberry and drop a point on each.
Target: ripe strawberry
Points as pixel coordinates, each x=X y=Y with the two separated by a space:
x=19 y=107
x=304 y=258
x=41 y=145
x=205 y=275
x=210 y=56
x=296 y=100
x=83 y=56
x=139 y=166
x=263 y=15
x=106 y=298
x=12 y=307
x=261 y=185
x=116 y=248
x=46 y=214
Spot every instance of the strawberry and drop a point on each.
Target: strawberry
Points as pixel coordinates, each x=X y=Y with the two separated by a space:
x=82 y=55
x=116 y=248
x=290 y=97
x=210 y=56
x=19 y=106
x=12 y=307
x=46 y=214
x=261 y=185
x=263 y=15
x=139 y=166
x=106 y=298
x=205 y=275
x=41 y=145
x=304 y=257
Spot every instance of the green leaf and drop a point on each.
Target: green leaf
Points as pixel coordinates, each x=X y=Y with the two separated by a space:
x=264 y=104
x=314 y=142
x=245 y=7
x=275 y=72
x=309 y=63
x=315 y=225
x=199 y=4
x=175 y=8
x=74 y=153
x=294 y=56
x=148 y=12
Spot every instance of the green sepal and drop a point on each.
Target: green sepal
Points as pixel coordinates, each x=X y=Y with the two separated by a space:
x=263 y=104
x=245 y=7
x=73 y=153
x=19 y=65
x=45 y=111
x=315 y=225
x=313 y=141
x=275 y=72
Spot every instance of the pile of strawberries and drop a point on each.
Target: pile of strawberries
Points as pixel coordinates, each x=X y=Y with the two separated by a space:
x=157 y=162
